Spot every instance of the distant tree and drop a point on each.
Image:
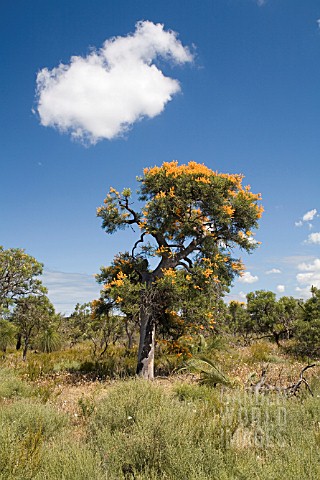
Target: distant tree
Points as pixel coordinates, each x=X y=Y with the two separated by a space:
x=288 y=312
x=30 y=315
x=311 y=307
x=96 y=323
x=307 y=329
x=238 y=319
x=18 y=272
x=49 y=337
x=262 y=309
x=76 y=324
x=191 y=220
x=270 y=317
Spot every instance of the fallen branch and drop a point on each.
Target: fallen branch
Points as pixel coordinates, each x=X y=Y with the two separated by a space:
x=292 y=390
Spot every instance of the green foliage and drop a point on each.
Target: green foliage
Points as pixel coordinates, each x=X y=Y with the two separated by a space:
x=25 y=427
x=196 y=393
x=307 y=335
x=11 y=386
x=7 y=334
x=96 y=323
x=27 y=415
x=17 y=276
x=39 y=366
x=261 y=307
x=260 y=352
x=200 y=433
x=210 y=374
x=32 y=315
x=86 y=406
x=307 y=329
x=49 y=338
x=264 y=315
x=68 y=460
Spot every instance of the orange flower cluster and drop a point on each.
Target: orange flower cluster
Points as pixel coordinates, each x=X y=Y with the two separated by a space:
x=175 y=170
x=119 y=281
x=163 y=251
x=228 y=210
x=169 y=272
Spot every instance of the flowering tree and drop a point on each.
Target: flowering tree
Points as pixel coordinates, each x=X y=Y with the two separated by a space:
x=191 y=221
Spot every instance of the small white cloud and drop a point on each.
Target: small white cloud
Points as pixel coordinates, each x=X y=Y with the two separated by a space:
x=260 y=3
x=308 y=216
x=102 y=95
x=281 y=288
x=273 y=270
x=248 y=278
x=318 y=22
x=314 y=238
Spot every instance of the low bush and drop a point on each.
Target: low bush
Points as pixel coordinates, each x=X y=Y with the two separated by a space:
x=25 y=427
x=11 y=386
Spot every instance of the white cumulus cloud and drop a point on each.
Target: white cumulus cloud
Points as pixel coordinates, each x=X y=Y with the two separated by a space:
x=101 y=95
x=281 y=288
x=248 y=278
x=272 y=271
x=309 y=277
x=308 y=216
x=314 y=238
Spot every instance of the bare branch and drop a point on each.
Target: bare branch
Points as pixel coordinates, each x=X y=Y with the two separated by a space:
x=134 y=214
x=141 y=240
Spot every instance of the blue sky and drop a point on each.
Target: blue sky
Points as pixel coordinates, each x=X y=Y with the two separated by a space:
x=247 y=103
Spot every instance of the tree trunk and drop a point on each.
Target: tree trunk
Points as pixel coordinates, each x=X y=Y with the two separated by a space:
x=145 y=367
x=19 y=341
x=129 y=334
x=25 y=349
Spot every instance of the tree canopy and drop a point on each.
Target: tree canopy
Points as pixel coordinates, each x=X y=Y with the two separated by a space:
x=18 y=272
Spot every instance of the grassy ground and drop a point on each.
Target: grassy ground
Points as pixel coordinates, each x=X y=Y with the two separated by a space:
x=61 y=421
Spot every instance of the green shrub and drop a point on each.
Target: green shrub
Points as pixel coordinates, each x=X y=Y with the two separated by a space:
x=70 y=460
x=210 y=374
x=49 y=340
x=38 y=366
x=260 y=352
x=29 y=416
x=200 y=433
x=25 y=426
x=11 y=386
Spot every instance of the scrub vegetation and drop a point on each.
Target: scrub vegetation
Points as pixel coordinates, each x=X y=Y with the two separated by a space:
x=198 y=420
